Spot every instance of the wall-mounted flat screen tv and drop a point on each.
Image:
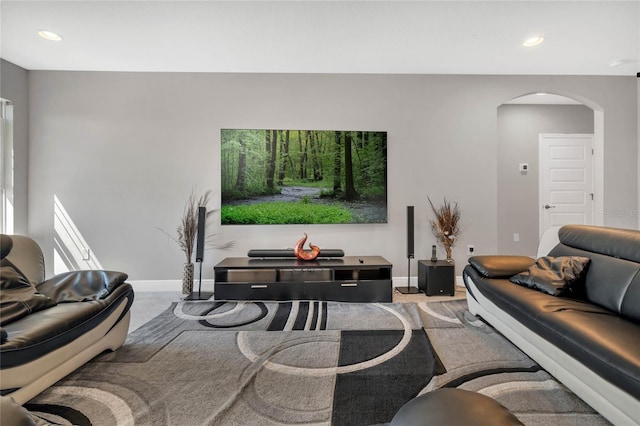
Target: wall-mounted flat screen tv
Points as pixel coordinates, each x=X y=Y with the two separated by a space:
x=303 y=177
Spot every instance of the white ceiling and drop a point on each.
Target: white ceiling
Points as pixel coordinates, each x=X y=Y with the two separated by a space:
x=434 y=37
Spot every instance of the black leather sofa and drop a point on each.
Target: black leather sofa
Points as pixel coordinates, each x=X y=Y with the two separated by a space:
x=589 y=341
x=51 y=327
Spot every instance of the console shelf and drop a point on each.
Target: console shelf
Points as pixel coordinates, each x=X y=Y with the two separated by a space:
x=345 y=279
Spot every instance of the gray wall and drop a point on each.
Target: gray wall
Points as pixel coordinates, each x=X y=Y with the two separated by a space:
x=518 y=129
x=122 y=151
x=15 y=88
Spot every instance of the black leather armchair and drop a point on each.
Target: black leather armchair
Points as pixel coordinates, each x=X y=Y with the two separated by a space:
x=51 y=327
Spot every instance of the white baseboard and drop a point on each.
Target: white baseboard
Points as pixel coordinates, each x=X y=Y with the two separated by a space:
x=167 y=285
x=402 y=281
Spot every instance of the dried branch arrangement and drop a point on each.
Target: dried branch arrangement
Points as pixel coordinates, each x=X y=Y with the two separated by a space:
x=188 y=227
x=446 y=225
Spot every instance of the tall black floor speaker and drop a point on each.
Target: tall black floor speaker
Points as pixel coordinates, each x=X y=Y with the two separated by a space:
x=410 y=232
x=202 y=218
x=410 y=253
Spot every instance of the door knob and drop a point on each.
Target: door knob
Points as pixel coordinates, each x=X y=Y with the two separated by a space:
x=547 y=206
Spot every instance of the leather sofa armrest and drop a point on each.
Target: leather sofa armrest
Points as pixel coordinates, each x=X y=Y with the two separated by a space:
x=81 y=286
x=500 y=266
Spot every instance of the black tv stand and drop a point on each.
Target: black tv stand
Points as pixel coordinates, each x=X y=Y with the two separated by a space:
x=346 y=279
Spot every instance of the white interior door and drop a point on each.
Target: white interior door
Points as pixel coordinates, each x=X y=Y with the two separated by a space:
x=566 y=180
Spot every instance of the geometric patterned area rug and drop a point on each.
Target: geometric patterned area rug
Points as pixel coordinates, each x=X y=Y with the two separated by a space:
x=303 y=363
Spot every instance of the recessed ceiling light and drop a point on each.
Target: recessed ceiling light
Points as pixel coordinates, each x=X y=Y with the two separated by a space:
x=533 y=41
x=49 y=35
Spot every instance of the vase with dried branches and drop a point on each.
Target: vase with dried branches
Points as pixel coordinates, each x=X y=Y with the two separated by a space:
x=446 y=225
x=186 y=232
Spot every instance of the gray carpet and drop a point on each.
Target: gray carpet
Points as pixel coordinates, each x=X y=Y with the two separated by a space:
x=324 y=363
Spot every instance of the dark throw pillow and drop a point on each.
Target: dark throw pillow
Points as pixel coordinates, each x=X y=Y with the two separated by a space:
x=557 y=276
x=500 y=266
x=18 y=298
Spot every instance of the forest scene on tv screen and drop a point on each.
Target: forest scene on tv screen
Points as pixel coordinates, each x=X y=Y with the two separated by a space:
x=303 y=177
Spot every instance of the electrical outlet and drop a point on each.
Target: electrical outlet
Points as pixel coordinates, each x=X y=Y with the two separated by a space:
x=86 y=254
x=471 y=249
x=516 y=237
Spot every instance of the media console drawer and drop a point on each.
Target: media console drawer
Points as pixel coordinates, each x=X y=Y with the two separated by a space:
x=258 y=291
x=347 y=279
x=351 y=291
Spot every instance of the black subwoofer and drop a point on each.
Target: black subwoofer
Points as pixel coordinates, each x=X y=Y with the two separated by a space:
x=437 y=278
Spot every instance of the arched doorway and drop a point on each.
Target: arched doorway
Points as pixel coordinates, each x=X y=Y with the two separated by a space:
x=521 y=120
